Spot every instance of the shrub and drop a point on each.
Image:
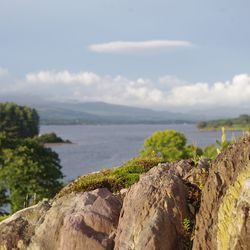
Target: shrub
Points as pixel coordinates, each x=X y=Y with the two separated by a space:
x=210 y=151
x=168 y=144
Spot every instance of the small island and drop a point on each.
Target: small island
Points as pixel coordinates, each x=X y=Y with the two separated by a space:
x=50 y=138
x=240 y=123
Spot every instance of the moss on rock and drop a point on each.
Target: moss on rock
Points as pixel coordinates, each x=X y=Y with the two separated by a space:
x=113 y=179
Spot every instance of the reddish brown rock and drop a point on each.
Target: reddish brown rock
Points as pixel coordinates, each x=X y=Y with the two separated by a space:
x=153 y=212
x=17 y=230
x=79 y=221
x=223 y=221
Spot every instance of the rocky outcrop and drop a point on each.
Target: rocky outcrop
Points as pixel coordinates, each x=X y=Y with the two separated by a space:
x=16 y=231
x=77 y=221
x=157 y=212
x=223 y=221
x=152 y=216
x=153 y=212
x=156 y=208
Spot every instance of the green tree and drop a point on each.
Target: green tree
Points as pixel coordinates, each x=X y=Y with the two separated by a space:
x=18 y=121
x=50 y=138
x=168 y=144
x=28 y=170
x=210 y=151
x=201 y=125
x=244 y=118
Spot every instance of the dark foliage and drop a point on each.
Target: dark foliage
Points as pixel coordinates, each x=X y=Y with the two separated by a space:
x=18 y=121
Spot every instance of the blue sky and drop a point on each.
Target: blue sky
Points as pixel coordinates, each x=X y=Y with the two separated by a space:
x=56 y=36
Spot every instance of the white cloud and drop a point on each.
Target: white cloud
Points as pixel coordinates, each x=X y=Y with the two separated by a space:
x=168 y=81
x=86 y=78
x=143 y=46
x=167 y=92
x=229 y=93
x=3 y=72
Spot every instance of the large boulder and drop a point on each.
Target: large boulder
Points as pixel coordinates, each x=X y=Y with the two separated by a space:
x=223 y=221
x=76 y=221
x=79 y=221
x=17 y=230
x=153 y=211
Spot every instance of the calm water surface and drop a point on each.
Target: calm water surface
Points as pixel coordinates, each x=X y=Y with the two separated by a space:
x=95 y=147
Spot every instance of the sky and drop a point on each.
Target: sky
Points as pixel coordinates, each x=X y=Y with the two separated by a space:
x=161 y=54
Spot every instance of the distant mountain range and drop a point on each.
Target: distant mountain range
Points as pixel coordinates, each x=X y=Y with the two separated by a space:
x=104 y=113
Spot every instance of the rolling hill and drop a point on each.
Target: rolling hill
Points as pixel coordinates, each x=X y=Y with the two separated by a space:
x=104 y=113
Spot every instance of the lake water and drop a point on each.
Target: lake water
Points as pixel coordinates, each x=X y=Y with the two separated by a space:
x=96 y=147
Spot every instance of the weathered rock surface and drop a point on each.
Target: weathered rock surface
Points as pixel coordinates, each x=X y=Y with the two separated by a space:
x=77 y=221
x=153 y=211
x=16 y=231
x=223 y=221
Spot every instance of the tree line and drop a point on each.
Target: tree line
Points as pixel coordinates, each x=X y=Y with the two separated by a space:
x=239 y=123
x=29 y=171
x=18 y=121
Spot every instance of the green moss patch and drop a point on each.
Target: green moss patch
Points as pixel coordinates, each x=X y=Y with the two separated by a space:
x=113 y=179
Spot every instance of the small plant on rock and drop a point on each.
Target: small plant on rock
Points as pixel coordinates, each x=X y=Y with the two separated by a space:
x=187 y=225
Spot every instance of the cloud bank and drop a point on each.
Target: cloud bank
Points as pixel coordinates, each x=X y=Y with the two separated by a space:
x=133 y=47
x=166 y=92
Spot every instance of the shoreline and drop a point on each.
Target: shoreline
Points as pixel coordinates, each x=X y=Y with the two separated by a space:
x=226 y=129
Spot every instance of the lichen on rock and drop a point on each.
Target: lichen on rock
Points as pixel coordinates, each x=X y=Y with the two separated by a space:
x=232 y=215
x=223 y=219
